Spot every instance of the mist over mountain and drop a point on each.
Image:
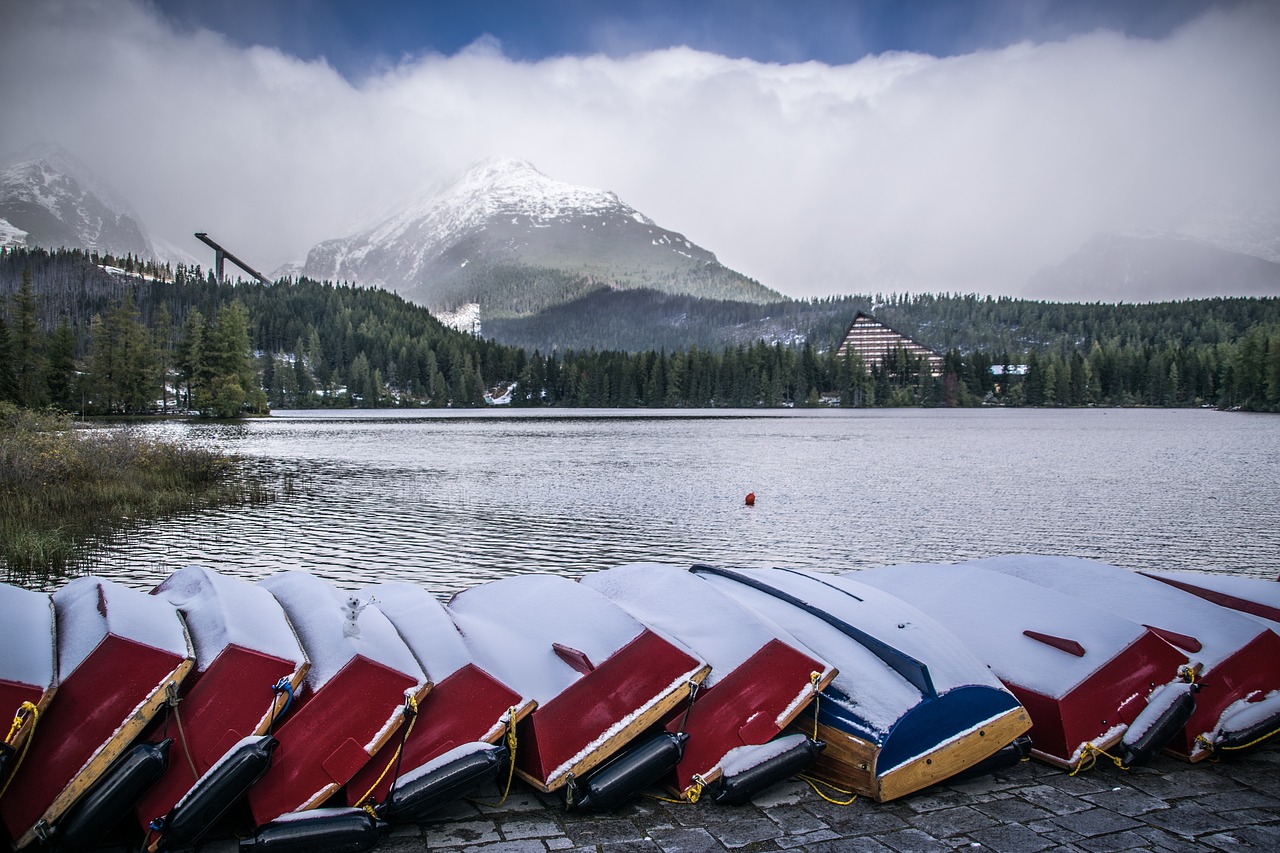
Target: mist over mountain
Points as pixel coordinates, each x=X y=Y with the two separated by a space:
x=1163 y=264
x=514 y=241
x=48 y=198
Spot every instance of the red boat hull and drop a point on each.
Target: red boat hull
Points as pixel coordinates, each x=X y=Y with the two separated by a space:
x=466 y=707
x=230 y=700
x=329 y=736
x=106 y=691
x=1254 y=669
x=743 y=708
x=1114 y=695
x=638 y=675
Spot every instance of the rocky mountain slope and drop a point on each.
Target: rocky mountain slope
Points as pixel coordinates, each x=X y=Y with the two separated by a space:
x=515 y=241
x=50 y=199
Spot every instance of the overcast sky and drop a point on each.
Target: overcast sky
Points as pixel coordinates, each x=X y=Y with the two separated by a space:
x=820 y=147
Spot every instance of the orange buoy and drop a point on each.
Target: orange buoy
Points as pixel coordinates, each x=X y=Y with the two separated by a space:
x=751 y=498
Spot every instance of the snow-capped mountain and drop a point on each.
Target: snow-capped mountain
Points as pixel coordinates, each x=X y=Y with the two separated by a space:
x=508 y=237
x=48 y=198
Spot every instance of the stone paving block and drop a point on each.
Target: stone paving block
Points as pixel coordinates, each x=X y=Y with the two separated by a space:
x=793 y=820
x=789 y=842
x=1189 y=819
x=596 y=829
x=1013 y=810
x=686 y=841
x=861 y=818
x=1054 y=800
x=1246 y=838
x=530 y=846
x=1125 y=801
x=913 y=841
x=789 y=793
x=746 y=830
x=462 y=833
x=949 y=822
x=1012 y=838
x=1128 y=840
x=932 y=800
x=1096 y=822
x=1229 y=801
x=530 y=827
x=562 y=843
x=1167 y=842
x=847 y=845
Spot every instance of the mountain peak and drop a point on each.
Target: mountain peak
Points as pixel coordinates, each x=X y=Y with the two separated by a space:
x=55 y=200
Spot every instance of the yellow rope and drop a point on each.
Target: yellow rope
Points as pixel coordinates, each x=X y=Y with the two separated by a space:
x=511 y=763
x=33 y=714
x=689 y=797
x=171 y=690
x=410 y=710
x=1090 y=758
x=813 y=682
x=813 y=783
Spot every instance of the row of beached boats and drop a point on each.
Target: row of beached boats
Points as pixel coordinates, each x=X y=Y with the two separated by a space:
x=311 y=716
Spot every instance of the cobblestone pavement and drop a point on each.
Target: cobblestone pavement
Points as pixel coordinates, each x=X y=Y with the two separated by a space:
x=1165 y=806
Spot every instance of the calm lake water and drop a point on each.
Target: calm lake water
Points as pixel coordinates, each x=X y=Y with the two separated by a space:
x=451 y=499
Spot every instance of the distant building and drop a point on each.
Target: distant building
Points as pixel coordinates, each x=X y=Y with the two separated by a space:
x=873 y=340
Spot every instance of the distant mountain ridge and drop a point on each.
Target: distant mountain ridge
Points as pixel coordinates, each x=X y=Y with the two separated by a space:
x=515 y=241
x=49 y=198
x=1162 y=265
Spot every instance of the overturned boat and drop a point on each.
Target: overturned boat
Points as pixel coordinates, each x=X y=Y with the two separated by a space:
x=248 y=663
x=1237 y=656
x=456 y=740
x=352 y=701
x=121 y=656
x=1257 y=597
x=910 y=707
x=761 y=679
x=28 y=670
x=600 y=678
x=1092 y=682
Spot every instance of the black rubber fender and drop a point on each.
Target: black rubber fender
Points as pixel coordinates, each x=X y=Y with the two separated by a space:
x=629 y=773
x=325 y=830
x=216 y=792
x=411 y=801
x=1158 y=734
x=739 y=788
x=111 y=797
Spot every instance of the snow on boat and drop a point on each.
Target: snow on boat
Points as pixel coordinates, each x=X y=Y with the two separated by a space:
x=466 y=704
x=1256 y=596
x=1238 y=656
x=248 y=662
x=352 y=701
x=911 y=705
x=600 y=678
x=1086 y=676
x=28 y=669
x=761 y=677
x=118 y=651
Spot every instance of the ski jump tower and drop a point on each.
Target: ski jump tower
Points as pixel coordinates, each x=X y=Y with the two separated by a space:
x=221 y=255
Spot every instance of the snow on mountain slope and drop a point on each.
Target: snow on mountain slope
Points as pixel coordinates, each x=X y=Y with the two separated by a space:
x=58 y=202
x=459 y=245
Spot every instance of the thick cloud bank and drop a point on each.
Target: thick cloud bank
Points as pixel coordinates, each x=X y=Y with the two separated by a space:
x=897 y=172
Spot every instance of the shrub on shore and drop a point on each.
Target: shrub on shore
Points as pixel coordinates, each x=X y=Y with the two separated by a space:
x=60 y=486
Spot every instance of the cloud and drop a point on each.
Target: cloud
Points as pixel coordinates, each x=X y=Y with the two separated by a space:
x=899 y=171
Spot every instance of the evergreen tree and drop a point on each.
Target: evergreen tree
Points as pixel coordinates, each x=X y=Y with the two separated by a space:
x=8 y=379
x=26 y=345
x=60 y=367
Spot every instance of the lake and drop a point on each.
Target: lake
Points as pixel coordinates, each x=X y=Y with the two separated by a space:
x=453 y=498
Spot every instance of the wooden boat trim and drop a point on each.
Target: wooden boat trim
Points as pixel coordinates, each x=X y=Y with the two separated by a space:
x=277 y=706
x=849 y=762
x=980 y=742
x=650 y=716
x=109 y=752
x=499 y=730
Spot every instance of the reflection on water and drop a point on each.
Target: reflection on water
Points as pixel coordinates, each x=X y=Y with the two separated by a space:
x=452 y=499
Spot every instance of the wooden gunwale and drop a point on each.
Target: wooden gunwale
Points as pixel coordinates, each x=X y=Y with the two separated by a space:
x=654 y=714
